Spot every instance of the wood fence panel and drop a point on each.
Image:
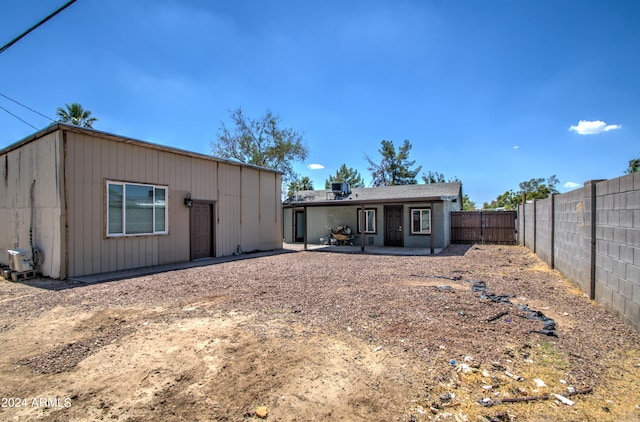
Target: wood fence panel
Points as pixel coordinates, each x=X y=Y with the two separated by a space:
x=466 y=227
x=497 y=227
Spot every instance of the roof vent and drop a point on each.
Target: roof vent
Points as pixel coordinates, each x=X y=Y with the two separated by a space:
x=340 y=189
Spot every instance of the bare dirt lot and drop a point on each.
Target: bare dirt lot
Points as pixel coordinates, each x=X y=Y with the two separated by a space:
x=475 y=333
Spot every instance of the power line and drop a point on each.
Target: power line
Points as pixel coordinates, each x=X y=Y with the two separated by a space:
x=28 y=108
x=23 y=121
x=25 y=33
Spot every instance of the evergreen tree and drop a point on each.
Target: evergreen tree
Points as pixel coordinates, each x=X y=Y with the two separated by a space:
x=634 y=166
x=395 y=167
x=345 y=174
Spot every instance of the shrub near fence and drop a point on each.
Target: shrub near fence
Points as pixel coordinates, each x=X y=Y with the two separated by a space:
x=592 y=236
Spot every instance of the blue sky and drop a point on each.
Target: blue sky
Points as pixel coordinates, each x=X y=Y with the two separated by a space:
x=493 y=92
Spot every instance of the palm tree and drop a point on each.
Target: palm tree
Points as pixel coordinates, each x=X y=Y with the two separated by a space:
x=76 y=115
x=299 y=184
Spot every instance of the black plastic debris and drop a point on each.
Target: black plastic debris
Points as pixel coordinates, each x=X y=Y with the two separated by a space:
x=452 y=278
x=481 y=287
x=497 y=298
x=447 y=397
x=478 y=286
x=496 y=317
x=549 y=328
x=500 y=417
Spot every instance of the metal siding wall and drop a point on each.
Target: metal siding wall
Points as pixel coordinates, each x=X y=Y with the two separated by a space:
x=41 y=161
x=270 y=212
x=92 y=160
x=251 y=212
x=228 y=233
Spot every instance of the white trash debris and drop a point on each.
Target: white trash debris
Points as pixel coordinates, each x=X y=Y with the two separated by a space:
x=564 y=400
x=539 y=383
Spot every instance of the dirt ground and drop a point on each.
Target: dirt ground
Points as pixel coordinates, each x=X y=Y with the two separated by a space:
x=477 y=333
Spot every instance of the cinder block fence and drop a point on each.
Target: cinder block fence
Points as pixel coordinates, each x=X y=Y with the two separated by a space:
x=592 y=236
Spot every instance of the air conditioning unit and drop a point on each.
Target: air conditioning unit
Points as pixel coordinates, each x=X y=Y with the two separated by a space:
x=340 y=189
x=18 y=261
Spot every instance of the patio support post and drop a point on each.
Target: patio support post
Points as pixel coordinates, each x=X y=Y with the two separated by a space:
x=431 y=237
x=304 y=213
x=362 y=224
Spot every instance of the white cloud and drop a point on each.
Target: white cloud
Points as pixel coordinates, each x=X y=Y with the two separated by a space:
x=315 y=166
x=516 y=147
x=586 y=127
x=571 y=185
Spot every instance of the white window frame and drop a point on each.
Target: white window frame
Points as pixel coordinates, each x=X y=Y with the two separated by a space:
x=153 y=188
x=421 y=211
x=367 y=212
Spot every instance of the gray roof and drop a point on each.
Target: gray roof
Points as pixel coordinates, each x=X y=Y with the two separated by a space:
x=384 y=194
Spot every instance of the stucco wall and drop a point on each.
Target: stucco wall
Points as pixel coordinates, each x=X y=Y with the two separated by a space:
x=320 y=217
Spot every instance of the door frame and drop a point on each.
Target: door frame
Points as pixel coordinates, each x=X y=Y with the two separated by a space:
x=212 y=231
x=386 y=226
x=295 y=225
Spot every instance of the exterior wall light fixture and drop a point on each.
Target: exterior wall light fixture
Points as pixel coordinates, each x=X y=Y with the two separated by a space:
x=188 y=201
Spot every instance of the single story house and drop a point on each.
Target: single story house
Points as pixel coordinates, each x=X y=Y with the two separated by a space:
x=89 y=202
x=413 y=216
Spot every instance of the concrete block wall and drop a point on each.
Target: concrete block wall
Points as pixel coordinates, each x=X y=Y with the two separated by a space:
x=599 y=251
x=571 y=242
x=618 y=246
x=529 y=226
x=544 y=234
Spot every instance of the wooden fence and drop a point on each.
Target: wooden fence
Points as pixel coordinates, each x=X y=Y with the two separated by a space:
x=497 y=227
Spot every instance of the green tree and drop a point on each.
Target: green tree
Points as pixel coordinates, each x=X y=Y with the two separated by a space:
x=435 y=177
x=395 y=167
x=345 y=174
x=298 y=184
x=76 y=115
x=261 y=142
x=468 y=204
x=538 y=189
x=508 y=200
x=634 y=166
x=532 y=189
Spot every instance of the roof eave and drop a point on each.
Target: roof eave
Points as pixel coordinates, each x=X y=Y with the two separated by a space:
x=77 y=129
x=348 y=202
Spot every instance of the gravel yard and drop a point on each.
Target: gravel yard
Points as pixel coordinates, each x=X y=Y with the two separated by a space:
x=475 y=333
